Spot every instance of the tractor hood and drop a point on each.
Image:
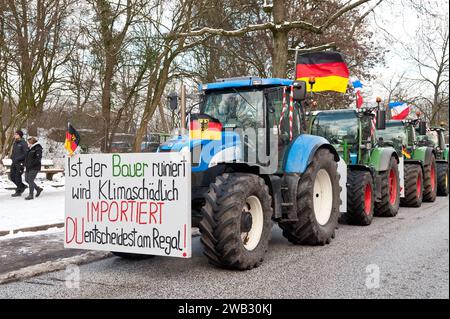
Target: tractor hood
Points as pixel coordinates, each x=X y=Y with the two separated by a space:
x=206 y=153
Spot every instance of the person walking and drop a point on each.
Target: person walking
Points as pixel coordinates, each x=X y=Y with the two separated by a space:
x=18 y=154
x=33 y=166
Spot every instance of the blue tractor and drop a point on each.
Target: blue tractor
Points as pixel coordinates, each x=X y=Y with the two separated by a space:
x=252 y=165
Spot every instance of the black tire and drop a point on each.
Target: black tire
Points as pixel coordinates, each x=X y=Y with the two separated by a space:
x=442 y=179
x=360 y=198
x=430 y=186
x=131 y=256
x=307 y=230
x=386 y=207
x=413 y=186
x=221 y=227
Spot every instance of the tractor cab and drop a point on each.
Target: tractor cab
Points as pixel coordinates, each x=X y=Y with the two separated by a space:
x=349 y=131
x=243 y=120
x=397 y=135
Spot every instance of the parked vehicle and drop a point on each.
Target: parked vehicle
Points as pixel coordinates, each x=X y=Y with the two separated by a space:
x=242 y=183
x=420 y=161
x=373 y=172
x=435 y=138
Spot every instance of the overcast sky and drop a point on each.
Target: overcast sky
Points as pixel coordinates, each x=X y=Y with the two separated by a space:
x=401 y=22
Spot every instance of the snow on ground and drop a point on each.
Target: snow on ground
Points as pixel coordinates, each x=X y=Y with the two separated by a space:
x=16 y=212
x=53 y=230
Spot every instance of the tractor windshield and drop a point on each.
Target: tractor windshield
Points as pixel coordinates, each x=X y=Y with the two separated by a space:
x=243 y=108
x=394 y=134
x=336 y=127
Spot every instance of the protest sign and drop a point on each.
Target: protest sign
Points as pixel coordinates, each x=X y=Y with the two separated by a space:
x=134 y=203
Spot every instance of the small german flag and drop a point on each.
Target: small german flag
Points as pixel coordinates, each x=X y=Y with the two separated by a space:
x=202 y=127
x=405 y=152
x=72 y=139
x=328 y=68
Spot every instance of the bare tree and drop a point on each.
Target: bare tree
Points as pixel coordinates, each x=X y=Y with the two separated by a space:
x=32 y=52
x=430 y=54
x=279 y=28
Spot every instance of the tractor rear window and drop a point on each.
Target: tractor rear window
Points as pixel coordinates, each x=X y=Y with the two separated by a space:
x=336 y=127
x=236 y=109
x=394 y=134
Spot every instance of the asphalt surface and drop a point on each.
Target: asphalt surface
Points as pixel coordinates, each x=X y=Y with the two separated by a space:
x=409 y=252
x=16 y=253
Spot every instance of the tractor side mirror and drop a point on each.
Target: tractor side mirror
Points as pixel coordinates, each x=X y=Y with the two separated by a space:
x=381 y=119
x=422 y=128
x=173 y=101
x=299 y=90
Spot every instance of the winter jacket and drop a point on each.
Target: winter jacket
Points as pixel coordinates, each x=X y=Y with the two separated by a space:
x=34 y=157
x=19 y=151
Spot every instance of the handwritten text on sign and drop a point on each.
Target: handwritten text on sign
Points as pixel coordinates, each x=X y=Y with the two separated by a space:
x=134 y=203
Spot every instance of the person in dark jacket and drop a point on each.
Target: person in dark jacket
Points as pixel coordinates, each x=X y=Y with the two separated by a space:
x=33 y=166
x=19 y=152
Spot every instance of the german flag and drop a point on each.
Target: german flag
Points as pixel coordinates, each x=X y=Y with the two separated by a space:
x=328 y=68
x=405 y=152
x=72 y=139
x=203 y=127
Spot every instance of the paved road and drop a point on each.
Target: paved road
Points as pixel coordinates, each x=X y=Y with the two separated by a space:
x=16 y=253
x=411 y=253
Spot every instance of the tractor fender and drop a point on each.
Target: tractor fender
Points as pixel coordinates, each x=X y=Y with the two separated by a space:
x=380 y=157
x=423 y=154
x=301 y=152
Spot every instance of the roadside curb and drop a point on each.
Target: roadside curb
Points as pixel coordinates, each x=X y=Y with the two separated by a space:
x=31 y=229
x=51 y=266
x=195 y=230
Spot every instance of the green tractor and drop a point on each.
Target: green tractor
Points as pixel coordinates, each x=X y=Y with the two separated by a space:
x=374 y=172
x=420 y=161
x=435 y=138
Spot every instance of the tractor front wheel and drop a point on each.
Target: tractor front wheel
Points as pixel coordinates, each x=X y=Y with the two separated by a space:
x=430 y=181
x=360 y=198
x=413 y=186
x=237 y=221
x=389 y=204
x=318 y=203
x=442 y=179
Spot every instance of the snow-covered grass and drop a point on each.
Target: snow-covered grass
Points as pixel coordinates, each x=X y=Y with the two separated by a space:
x=16 y=213
x=53 y=230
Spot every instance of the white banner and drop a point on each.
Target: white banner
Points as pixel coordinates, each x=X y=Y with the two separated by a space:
x=135 y=203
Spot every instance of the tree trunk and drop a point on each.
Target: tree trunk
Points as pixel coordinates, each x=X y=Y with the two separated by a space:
x=106 y=103
x=280 y=54
x=280 y=40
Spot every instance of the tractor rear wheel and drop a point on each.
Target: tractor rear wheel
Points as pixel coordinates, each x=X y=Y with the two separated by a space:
x=237 y=221
x=413 y=186
x=442 y=179
x=430 y=181
x=360 y=198
x=389 y=204
x=318 y=203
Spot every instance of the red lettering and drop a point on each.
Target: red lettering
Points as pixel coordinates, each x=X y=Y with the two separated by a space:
x=153 y=212
x=160 y=204
x=140 y=212
x=74 y=222
x=117 y=211
x=103 y=209
x=123 y=211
